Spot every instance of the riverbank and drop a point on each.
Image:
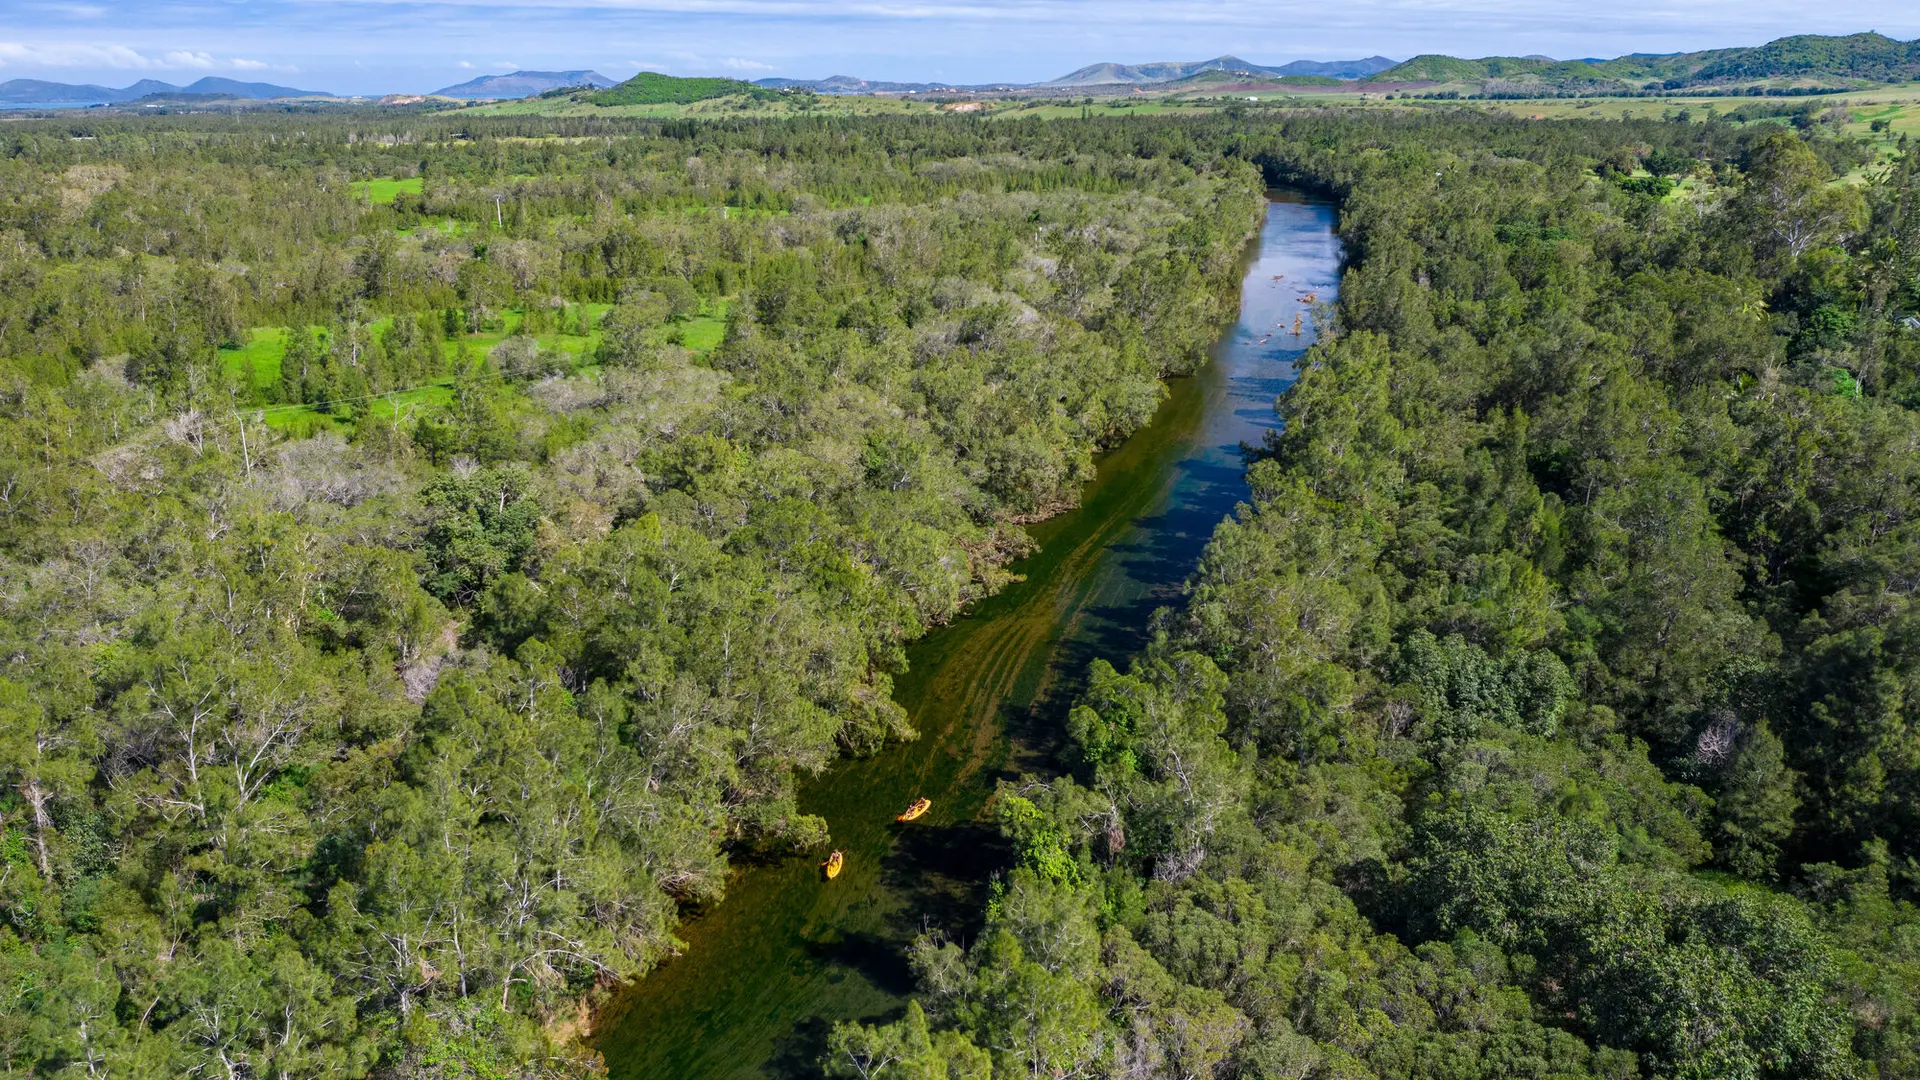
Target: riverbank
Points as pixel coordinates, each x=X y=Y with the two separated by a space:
x=769 y=970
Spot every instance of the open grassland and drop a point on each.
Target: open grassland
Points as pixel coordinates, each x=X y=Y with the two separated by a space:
x=1900 y=105
x=444 y=226
x=1863 y=105
x=386 y=190
x=734 y=106
x=1135 y=106
x=1883 y=115
x=259 y=358
x=302 y=421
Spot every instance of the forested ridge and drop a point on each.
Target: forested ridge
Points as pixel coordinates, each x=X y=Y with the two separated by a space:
x=1547 y=712
x=411 y=606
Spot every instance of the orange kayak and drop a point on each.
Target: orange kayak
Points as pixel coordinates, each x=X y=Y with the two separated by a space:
x=833 y=864
x=920 y=806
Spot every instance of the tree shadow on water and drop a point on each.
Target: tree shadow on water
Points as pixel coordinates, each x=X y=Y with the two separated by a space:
x=881 y=961
x=798 y=1054
x=942 y=873
x=877 y=957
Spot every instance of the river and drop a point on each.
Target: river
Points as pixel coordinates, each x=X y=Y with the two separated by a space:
x=785 y=955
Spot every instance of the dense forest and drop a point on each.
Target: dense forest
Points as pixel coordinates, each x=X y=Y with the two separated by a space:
x=410 y=604
x=431 y=549
x=1548 y=711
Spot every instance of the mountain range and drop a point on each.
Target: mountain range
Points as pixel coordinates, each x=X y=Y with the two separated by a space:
x=1830 y=61
x=1097 y=75
x=1804 y=62
x=41 y=92
x=520 y=84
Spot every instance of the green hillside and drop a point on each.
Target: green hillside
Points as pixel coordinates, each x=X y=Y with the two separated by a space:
x=1432 y=67
x=653 y=88
x=1856 y=56
x=1839 y=60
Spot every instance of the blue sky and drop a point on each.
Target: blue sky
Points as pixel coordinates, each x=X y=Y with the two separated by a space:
x=374 y=46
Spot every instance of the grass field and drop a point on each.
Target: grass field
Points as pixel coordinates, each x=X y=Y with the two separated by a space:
x=386 y=190
x=302 y=421
x=446 y=227
x=262 y=352
x=716 y=108
x=1901 y=116
x=267 y=344
x=1860 y=103
x=841 y=105
x=1898 y=107
x=1898 y=104
x=704 y=331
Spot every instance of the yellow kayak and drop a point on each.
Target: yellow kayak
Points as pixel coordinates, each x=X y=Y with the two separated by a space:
x=920 y=806
x=833 y=864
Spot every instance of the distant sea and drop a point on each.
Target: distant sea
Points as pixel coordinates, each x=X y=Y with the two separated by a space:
x=46 y=104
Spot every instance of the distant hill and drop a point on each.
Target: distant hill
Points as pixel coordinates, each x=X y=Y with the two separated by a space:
x=258 y=91
x=1516 y=73
x=522 y=84
x=1856 y=56
x=848 y=84
x=1175 y=70
x=1335 y=69
x=39 y=92
x=653 y=88
x=1837 y=60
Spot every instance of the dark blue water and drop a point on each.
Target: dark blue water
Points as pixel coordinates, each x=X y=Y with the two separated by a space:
x=1296 y=256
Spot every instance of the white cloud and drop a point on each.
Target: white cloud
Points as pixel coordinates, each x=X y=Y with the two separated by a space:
x=738 y=64
x=466 y=65
x=73 y=54
x=648 y=65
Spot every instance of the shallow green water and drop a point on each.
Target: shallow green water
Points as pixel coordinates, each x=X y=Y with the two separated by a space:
x=786 y=955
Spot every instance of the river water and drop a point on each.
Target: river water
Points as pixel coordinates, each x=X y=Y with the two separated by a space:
x=770 y=969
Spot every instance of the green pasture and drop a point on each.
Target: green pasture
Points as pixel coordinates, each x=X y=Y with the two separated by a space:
x=444 y=226
x=1895 y=102
x=261 y=354
x=301 y=421
x=1897 y=117
x=703 y=332
x=738 y=105
x=387 y=190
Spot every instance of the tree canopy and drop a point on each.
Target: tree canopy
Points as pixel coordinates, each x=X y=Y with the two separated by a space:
x=1544 y=712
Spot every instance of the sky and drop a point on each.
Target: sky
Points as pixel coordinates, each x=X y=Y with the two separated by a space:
x=388 y=46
